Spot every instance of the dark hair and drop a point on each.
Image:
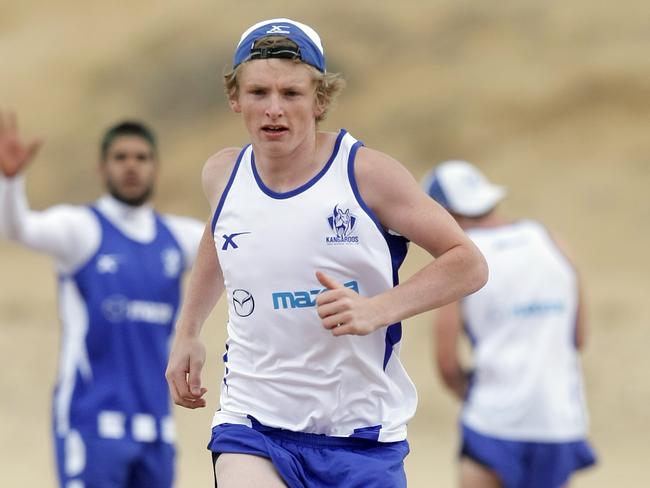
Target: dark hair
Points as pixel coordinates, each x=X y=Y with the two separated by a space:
x=127 y=128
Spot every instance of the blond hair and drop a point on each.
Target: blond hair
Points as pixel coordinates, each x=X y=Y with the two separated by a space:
x=327 y=85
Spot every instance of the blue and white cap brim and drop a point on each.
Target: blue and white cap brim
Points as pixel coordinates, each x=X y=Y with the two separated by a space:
x=462 y=189
x=307 y=39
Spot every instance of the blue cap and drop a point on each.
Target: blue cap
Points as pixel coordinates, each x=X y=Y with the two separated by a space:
x=310 y=48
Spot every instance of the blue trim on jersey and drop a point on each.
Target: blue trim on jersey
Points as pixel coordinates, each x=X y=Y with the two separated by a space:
x=314 y=460
x=225 y=365
x=575 y=270
x=222 y=200
x=393 y=336
x=472 y=375
x=355 y=188
x=470 y=335
x=523 y=464
x=371 y=433
x=306 y=186
x=397 y=246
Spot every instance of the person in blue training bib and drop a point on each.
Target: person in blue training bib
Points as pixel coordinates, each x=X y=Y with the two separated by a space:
x=524 y=417
x=309 y=229
x=120 y=265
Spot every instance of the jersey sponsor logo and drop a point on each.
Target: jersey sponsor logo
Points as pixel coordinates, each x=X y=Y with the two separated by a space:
x=171 y=259
x=303 y=299
x=229 y=240
x=118 y=308
x=535 y=309
x=107 y=263
x=342 y=225
x=530 y=310
x=243 y=302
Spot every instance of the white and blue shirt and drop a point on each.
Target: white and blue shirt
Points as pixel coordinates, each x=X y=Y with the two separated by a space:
x=527 y=382
x=119 y=273
x=282 y=367
x=118 y=311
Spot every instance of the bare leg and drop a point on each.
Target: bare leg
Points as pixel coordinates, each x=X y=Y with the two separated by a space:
x=246 y=471
x=475 y=475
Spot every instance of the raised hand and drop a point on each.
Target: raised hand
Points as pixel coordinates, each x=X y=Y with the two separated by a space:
x=14 y=154
x=343 y=311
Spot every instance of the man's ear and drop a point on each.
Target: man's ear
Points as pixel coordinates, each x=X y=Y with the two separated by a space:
x=234 y=105
x=319 y=108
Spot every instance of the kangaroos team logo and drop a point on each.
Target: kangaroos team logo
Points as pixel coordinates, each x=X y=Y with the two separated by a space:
x=342 y=224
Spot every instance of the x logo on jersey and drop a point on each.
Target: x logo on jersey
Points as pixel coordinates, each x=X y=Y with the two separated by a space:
x=229 y=240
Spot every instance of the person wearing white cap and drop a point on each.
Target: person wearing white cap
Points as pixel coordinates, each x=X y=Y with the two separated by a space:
x=310 y=228
x=524 y=417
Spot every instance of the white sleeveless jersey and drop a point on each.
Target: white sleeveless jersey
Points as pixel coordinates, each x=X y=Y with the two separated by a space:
x=283 y=369
x=527 y=383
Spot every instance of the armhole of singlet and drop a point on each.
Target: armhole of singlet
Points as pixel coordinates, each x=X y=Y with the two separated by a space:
x=397 y=248
x=355 y=188
x=222 y=200
x=162 y=222
x=563 y=255
x=100 y=219
x=556 y=245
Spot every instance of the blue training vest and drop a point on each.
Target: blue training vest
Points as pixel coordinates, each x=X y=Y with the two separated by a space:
x=127 y=296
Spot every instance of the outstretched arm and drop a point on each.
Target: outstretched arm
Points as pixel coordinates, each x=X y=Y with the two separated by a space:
x=398 y=201
x=205 y=287
x=68 y=233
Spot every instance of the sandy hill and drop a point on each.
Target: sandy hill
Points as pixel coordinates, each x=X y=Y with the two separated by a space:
x=551 y=98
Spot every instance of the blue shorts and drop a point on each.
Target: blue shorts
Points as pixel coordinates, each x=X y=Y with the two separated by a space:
x=89 y=461
x=315 y=461
x=520 y=464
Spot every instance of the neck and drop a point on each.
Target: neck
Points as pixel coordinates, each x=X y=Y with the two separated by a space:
x=119 y=205
x=288 y=170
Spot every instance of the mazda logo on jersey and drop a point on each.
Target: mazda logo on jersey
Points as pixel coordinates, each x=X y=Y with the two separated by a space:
x=243 y=302
x=118 y=309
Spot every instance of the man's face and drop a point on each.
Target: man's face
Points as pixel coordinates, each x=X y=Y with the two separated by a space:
x=277 y=100
x=129 y=169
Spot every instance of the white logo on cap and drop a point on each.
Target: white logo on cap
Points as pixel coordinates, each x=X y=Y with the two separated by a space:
x=279 y=29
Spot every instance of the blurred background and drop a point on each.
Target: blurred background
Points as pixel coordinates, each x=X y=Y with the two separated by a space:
x=551 y=99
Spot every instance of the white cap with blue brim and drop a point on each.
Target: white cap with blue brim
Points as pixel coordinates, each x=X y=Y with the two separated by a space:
x=309 y=51
x=462 y=189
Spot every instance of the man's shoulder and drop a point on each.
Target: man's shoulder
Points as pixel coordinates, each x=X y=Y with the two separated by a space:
x=222 y=160
x=216 y=172
x=71 y=211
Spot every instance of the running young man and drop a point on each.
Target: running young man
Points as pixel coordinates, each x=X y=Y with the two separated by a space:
x=310 y=229
x=120 y=265
x=524 y=418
